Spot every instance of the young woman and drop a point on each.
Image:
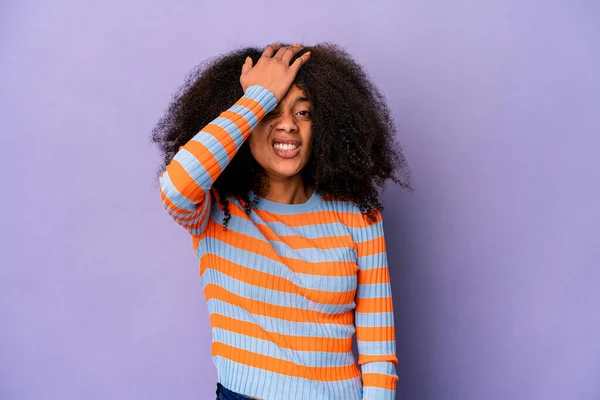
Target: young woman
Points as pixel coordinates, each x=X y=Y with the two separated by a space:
x=273 y=161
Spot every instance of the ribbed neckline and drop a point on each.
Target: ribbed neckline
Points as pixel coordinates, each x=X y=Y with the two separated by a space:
x=284 y=208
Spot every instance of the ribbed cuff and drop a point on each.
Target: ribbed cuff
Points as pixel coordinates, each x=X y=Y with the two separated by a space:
x=262 y=96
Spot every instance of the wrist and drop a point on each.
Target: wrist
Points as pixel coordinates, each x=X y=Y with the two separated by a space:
x=263 y=96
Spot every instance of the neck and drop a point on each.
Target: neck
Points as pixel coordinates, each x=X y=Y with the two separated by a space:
x=288 y=191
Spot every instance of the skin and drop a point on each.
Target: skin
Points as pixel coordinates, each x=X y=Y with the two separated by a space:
x=354 y=151
x=289 y=122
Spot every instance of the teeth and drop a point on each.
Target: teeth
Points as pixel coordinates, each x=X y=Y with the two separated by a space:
x=285 y=146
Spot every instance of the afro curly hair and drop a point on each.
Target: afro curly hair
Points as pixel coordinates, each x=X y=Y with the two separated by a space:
x=354 y=150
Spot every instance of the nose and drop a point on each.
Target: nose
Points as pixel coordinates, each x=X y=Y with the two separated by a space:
x=286 y=123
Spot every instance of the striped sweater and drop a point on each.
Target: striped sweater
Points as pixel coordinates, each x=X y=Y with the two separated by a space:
x=289 y=285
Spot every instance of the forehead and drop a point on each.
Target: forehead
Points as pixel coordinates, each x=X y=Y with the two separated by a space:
x=294 y=95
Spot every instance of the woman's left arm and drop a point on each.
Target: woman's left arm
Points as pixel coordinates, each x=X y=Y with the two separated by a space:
x=374 y=315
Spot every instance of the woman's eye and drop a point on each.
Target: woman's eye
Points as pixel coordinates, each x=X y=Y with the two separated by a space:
x=304 y=113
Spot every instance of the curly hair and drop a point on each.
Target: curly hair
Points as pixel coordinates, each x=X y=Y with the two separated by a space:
x=353 y=150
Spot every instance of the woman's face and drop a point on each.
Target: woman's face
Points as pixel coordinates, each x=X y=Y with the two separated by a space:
x=281 y=142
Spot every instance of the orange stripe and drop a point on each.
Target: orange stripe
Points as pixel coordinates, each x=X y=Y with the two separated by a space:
x=298 y=343
x=351 y=220
x=262 y=248
x=323 y=268
x=364 y=358
x=297 y=242
x=235 y=210
x=223 y=137
x=239 y=121
x=245 y=242
x=212 y=291
x=371 y=247
x=284 y=367
x=376 y=305
x=379 y=380
x=205 y=157
x=183 y=182
x=272 y=282
x=253 y=105
x=375 y=333
x=195 y=243
x=192 y=215
x=172 y=205
x=373 y=275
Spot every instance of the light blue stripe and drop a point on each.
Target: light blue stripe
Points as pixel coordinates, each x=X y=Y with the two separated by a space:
x=214 y=146
x=335 y=229
x=374 y=290
x=286 y=209
x=376 y=348
x=373 y=392
x=362 y=234
x=336 y=284
x=194 y=168
x=263 y=96
x=345 y=254
x=232 y=129
x=380 y=367
x=342 y=206
x=367 y=233
x=206 y=213
x=266 y=348
x=281 y=326
x=245 y=113
x=268 y=296
x=372 y=261
x=173 y=194
x=374 y=319
x=195 y=215
x=268 y=385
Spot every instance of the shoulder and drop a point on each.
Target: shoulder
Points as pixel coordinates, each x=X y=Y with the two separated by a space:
x=349 y=214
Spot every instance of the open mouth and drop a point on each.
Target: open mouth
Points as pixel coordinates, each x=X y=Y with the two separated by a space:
x=286 y=148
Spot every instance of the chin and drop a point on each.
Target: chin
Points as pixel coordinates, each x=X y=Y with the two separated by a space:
x=283 y=173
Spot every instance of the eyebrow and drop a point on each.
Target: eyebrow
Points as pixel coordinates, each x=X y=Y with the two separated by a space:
x=299 y=100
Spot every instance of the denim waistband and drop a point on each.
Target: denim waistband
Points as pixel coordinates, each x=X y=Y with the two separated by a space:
x=225 y=394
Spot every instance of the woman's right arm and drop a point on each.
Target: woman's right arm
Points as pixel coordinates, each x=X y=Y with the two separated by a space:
x=186 y=182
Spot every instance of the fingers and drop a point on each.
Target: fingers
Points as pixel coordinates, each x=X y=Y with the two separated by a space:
x=247 y=66
x=270 y=50
x=291 y=52
x=300 y=61
x=288 y=52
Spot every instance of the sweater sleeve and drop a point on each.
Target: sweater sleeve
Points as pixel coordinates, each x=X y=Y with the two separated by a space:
x=185 y=184
x=374 y=315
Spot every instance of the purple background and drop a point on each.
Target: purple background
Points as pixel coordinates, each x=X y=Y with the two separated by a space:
x=494 y=257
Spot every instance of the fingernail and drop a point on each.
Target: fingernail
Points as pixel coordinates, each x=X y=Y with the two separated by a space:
x=307 y=53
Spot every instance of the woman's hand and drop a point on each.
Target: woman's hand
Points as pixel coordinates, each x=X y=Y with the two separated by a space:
x=273 y=70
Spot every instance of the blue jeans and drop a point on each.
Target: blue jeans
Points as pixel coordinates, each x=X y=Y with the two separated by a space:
x=225 y=394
